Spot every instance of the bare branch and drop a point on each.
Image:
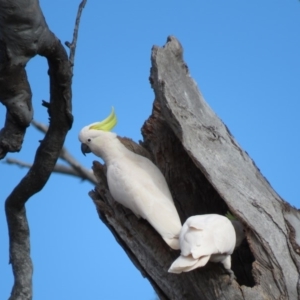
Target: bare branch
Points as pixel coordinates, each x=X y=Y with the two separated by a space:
x=58 y=168
x=82 y=172
x=19 y=163
x=17 y=47
x=72 y=45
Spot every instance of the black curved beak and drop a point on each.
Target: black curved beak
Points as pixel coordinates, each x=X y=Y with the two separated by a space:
x=85 y=149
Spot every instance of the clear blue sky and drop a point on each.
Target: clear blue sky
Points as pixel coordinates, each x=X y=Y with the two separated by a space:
x=245 y=57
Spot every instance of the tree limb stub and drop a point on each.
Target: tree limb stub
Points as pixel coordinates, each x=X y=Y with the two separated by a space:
x=207 y=172
x=24 y=33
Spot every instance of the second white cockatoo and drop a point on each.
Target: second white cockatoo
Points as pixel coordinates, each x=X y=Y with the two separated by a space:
x=206 y=238
x=133 y=180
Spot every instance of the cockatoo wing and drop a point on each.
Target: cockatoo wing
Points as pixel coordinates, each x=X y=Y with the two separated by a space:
x=120 y=188
x=157 y=177
x=147 y=197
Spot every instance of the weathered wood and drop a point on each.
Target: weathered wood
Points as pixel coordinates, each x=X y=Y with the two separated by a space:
x=230 y=170
x=207 y=172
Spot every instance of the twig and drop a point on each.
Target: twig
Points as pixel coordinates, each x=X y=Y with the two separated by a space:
x=40 y=126
x=58 y=168
x=72 y=46
x=19 y=163
x=82 y=172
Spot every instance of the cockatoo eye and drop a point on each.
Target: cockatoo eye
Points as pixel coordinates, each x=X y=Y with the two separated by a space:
x=89 y=140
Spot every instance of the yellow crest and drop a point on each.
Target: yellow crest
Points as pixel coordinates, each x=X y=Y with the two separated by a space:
x=107 y=124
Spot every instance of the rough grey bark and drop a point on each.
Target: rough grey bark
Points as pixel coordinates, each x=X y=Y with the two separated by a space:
x=207 y=172
x=23 y=34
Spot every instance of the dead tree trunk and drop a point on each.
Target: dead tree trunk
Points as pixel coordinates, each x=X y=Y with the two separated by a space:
x=207 y=172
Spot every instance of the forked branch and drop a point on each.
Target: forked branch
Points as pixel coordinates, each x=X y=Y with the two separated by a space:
x=17 y=48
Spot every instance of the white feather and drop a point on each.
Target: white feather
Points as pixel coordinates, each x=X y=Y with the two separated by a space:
x=135 y=182
x=205 y=238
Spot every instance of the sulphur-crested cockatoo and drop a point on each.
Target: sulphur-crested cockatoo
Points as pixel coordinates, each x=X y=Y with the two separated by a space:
x=133 y=180
x=206 y=238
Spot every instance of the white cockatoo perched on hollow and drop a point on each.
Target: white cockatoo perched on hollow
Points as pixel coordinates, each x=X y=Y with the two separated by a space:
x=206 y=238
x=133 y=180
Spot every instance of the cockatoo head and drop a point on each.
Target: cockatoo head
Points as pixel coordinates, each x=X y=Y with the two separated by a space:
x=94 y=136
